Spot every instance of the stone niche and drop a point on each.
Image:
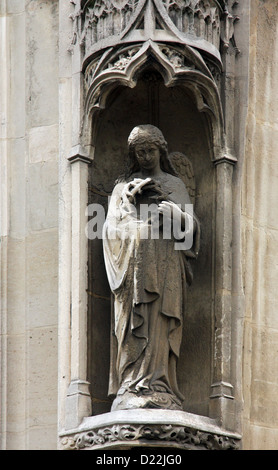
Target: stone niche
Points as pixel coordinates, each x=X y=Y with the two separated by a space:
x=174 y=111
x=137 y=63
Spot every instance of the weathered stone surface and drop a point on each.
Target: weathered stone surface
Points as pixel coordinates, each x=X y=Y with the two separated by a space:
x=43 y=142
x=149 y=428
x=259 y=228
x=38 y=107
x=29 y=221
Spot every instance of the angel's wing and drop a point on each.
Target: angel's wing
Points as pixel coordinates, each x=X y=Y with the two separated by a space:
x=184 y=168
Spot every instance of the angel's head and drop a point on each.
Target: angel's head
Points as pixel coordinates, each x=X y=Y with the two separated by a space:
x=148 y=137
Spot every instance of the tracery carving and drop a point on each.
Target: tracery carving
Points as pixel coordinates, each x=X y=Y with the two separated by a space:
x=175 y=62
x=229 y=19
x=199 y=18
x=210 y=20
x=117 y=60
x=90 y=72
x=105 y=18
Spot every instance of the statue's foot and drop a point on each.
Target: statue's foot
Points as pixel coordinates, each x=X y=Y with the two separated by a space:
x=161 y=400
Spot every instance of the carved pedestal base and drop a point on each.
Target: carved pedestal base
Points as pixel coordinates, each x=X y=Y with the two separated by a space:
x=149 y=428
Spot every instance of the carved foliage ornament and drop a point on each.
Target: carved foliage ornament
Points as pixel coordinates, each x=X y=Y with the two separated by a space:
x=178 y=436
x=120 y=59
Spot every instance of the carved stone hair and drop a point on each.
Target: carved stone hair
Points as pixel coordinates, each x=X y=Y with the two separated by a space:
x=146 y=131
x=150 y=133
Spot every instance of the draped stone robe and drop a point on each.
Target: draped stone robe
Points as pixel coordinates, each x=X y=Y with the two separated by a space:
x=148 y=278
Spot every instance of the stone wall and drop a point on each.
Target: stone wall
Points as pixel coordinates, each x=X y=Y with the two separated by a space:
x=29 y=222
x=260 y=233
x=35 y=88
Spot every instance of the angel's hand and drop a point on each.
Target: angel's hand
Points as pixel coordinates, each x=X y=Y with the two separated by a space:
x=135 y=186
x=171 y=210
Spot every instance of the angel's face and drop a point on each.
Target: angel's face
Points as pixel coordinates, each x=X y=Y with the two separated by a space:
x=148 y=155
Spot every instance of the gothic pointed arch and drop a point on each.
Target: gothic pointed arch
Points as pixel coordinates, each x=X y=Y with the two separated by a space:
x=178 y=65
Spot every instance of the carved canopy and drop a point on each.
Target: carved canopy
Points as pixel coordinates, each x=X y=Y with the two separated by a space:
x=183 y=38
x=200 y=23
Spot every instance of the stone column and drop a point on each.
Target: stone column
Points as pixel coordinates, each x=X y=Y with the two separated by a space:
x=222 y=398
x=78 y=400
x=65 y=143
x=78 y=404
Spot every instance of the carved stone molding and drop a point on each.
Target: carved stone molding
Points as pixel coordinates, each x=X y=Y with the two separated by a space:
x=124 y=59
x=177 y=436
x=195 y=433
x=204 y=24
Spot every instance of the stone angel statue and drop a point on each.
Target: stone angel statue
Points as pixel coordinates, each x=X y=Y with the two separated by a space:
x=147 y=274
